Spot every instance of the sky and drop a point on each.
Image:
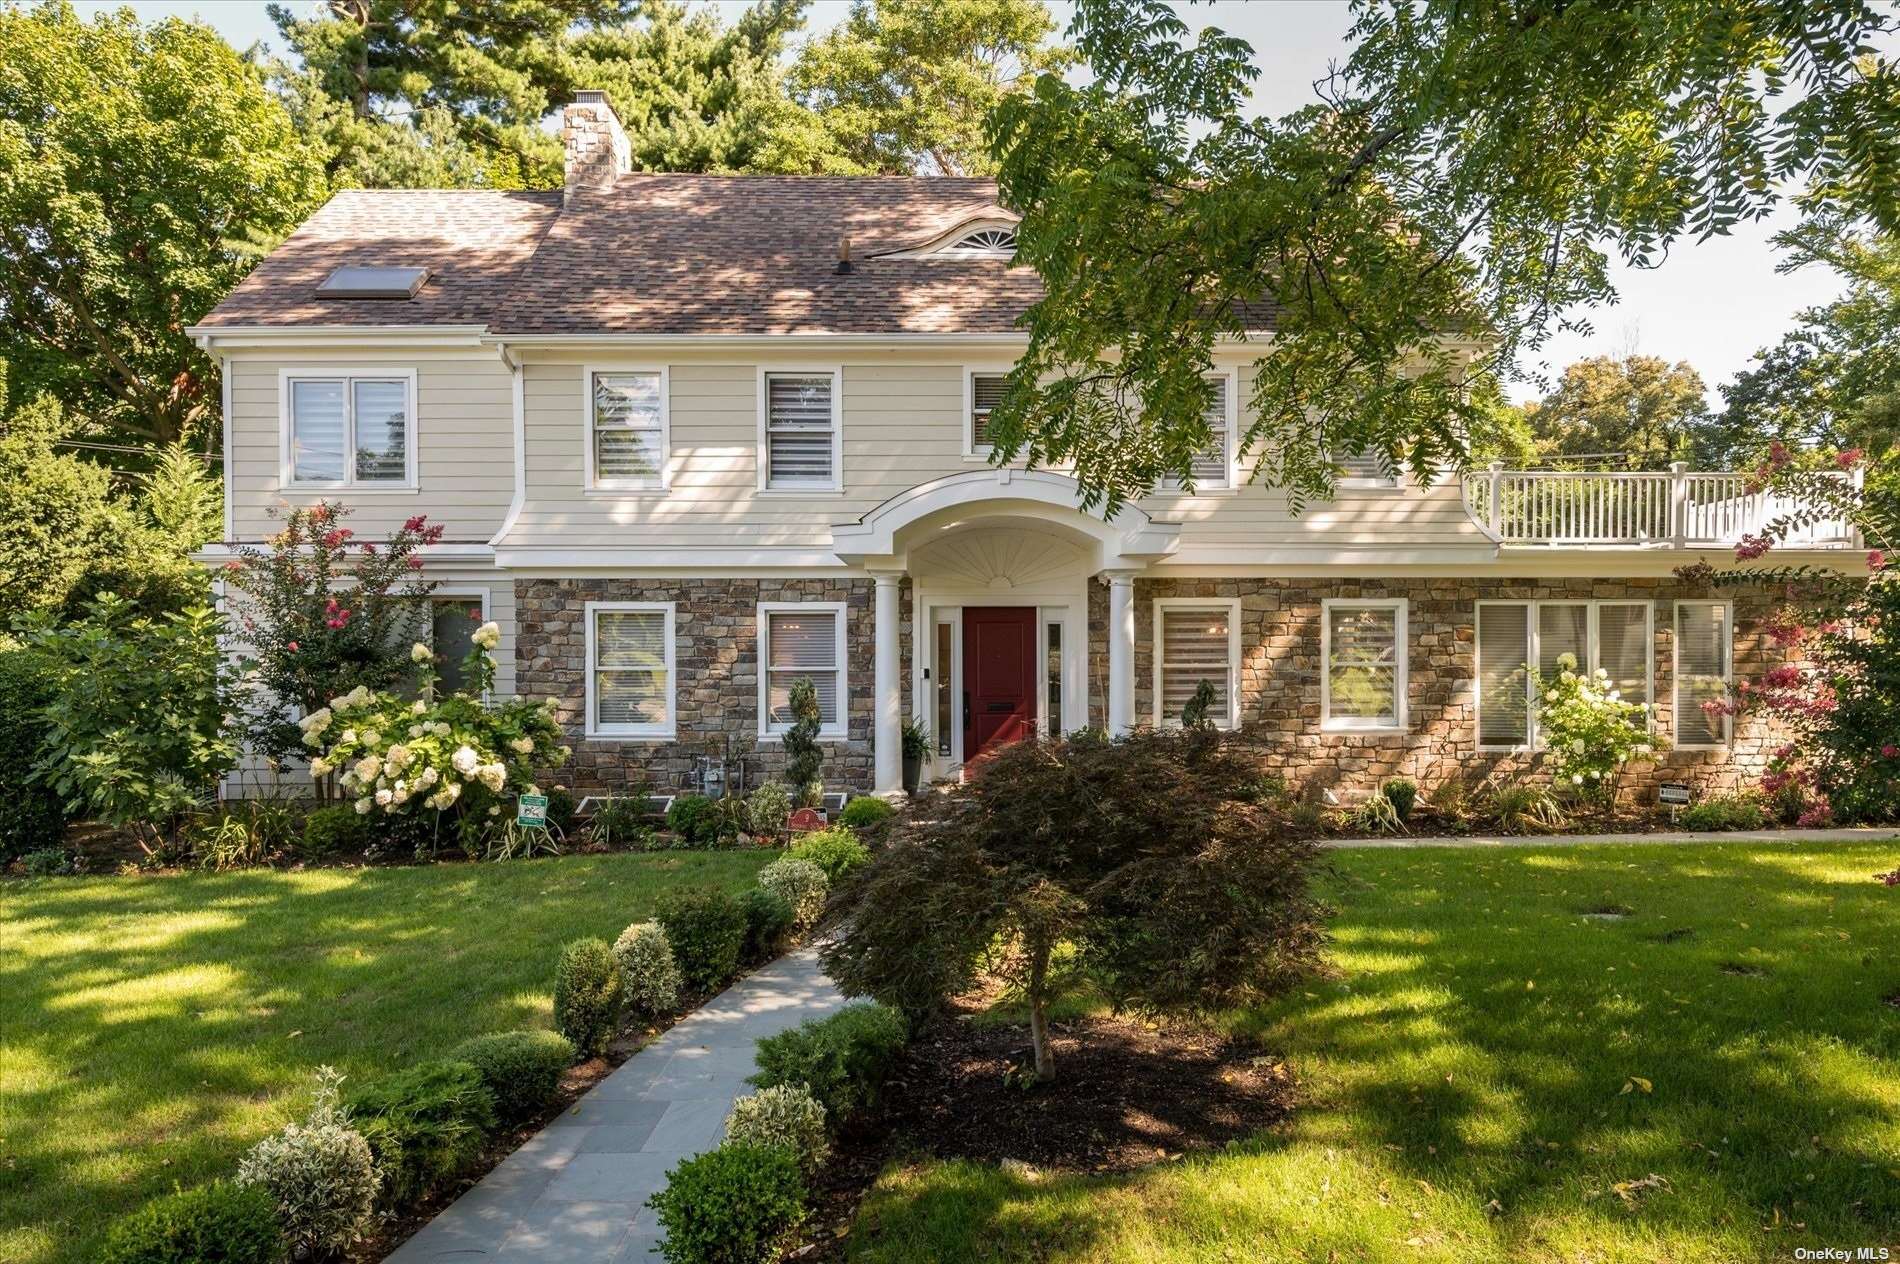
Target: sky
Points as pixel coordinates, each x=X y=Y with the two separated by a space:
x=1713 y=303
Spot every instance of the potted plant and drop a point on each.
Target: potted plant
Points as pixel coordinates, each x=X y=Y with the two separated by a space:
x=916 y=746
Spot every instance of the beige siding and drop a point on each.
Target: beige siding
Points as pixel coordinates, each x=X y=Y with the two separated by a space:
x=903 y=425
x=464 y=443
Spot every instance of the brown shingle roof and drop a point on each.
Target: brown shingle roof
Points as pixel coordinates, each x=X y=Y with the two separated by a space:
x=473 y=242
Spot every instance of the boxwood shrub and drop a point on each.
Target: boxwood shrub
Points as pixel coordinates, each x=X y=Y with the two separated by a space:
x=522 y=1069
x=425 y=1125
x=768 y=924
x=732 y=1205
x=707 y=928
x=589 y=992
x=864 y=811
x=837 y=850
x=220 y=1223
x=842 y=1059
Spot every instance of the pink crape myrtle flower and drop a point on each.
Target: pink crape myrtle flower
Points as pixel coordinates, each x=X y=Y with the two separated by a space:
x=1876 y=559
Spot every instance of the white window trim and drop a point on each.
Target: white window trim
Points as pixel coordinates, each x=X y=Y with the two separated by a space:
x=768 y=732
x=972 y=450
x=286 y=466
x=1675 y=674
x=836 y=373
x=1232 y=608
x=596 y=731
x=592 y=482
x=1532 y=625
x=1401 y=661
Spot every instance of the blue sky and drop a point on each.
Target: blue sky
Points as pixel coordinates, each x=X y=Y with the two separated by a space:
x=1711 y=303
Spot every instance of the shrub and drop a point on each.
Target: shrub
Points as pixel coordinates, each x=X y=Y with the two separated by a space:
x=803 y=757
x=801 y=884
x=706 y=927
x=220 y=1223
x=1402 y=794
x=319 y=1173
x=732 y=1205
x=1268 y=789
x=226 y=841
x=424 y=1125
x=522 y=1069
x=49 y=862
x=31 y=816
x=1377 y=815
x=842 y=1060
x=766 y=809
x=332 y=831
x=1522 y=808
x=1589 y=731
x=696 y=819
x=620 y=820
x=646 y=962
x=589 y=990
x=865 y=811
x=562 y=808
x=1724 y=812
x=786 y=1116
x=836 y=850
x=768 y=923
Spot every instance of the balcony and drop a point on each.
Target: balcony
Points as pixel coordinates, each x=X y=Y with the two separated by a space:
x=1671 y=509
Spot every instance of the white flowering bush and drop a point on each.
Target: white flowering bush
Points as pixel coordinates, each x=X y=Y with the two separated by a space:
x=786 y=1116
x=801 y=884
x=451 y=756
x=1590 y=732
x=320 y=1173
x=646 y=958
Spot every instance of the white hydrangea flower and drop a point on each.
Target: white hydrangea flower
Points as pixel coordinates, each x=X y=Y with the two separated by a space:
x=416 y=730
x=349 y=736
x=494 y=776
x=371 y=737
x=1576 y=778
x=383 y=797
x=428 y=778
x=440 y=728
x=313 y=738
x=420 y=653
x=488 y=636
x=1550 y=695
x=367 y=768
x=347 y=780
x=363 y=806
x=316 y=721
x=465 y=760
x=320 y=767
x=418 y=707
x=523 y=745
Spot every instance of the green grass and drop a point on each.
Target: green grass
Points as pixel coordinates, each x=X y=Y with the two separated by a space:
x=152 y=1028
x=1472 y=1080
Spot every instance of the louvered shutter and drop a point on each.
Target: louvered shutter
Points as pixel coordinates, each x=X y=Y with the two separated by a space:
x=1195 y=644
x=797 y=644
x=798 y=430
x=629 y=442
x=1362 y=668
x=630 y=678
x=1504 y=647
x=1702 y=669
x=318 y=426
x=986 y=392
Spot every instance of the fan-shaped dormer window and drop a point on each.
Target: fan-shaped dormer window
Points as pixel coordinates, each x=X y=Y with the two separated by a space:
x=984 y=241
x=984 y=237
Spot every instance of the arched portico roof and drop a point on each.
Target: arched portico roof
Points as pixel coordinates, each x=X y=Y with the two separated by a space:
x=1128 y=538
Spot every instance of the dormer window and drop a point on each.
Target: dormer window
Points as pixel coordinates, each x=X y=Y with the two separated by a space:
x=996 y=242
x=987 y=236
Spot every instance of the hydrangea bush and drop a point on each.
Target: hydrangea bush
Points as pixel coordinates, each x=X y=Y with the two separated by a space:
x=1590 y=731
x=455 y=757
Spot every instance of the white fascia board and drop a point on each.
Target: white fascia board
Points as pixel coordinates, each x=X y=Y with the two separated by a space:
x=272 y=336
x=682 y=560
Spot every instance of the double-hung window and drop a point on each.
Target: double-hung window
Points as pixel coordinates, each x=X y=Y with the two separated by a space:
x=1363 y=653
x=1584 y=636
x=349 y=430
x=1196 y=641
x=986 y=392
x=799 y=426
x=1213 y=465
x=1361 y=468
x=802 y=641
x=630 y=672
x=627 y=430
x=1705 y=641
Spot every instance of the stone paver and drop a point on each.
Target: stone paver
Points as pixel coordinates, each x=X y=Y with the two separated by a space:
x=576 y=1193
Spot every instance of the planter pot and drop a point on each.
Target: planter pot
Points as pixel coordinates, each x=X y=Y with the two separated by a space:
x=913 y=773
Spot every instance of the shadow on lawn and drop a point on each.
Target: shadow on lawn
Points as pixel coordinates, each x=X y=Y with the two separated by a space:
x=153 y=1026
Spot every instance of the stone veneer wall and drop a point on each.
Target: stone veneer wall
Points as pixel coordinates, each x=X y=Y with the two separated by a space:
x=716 y=655
x=1280 y=676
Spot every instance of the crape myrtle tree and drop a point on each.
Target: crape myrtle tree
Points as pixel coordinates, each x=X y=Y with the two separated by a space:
x=1147 y=855
x=321 y=613
x=1467 y=175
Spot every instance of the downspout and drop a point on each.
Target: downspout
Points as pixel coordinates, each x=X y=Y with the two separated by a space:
x=515 y=505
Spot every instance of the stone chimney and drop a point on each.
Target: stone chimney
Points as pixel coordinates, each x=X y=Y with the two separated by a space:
x=597 y=148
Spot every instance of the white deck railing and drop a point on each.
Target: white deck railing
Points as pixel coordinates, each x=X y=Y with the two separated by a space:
x=1672 y=508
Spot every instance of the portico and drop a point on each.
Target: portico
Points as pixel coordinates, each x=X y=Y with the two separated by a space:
x=986 y=552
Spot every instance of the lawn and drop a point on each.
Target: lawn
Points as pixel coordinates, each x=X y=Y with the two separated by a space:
x=152 y=1028
x=1493 y=1076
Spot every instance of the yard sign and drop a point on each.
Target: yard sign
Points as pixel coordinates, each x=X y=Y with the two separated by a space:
x=532 y=810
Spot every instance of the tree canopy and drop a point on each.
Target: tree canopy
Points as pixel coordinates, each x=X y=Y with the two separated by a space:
x=143 y=168
x=1638 y=412
x=1463 y=182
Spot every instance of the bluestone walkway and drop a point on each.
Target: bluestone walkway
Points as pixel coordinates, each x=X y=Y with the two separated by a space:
x=1854 y=834
x=577 y=1192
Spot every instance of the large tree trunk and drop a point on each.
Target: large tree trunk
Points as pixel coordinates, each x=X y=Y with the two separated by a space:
x=1039 y=1012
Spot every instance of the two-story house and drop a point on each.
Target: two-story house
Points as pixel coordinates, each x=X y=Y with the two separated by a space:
x=695 y=437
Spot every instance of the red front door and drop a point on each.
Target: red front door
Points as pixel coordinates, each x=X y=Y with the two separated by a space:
x=999 y=677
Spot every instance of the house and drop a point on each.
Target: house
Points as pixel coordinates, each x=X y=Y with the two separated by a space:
x=693 y=438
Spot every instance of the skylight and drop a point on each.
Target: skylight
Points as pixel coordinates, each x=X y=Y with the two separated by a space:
x=387 y=283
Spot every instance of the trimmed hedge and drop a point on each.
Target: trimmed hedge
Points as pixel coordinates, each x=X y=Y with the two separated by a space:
x=768 y=924
x=707 y=928
x=522 y=1069
x=836 y=850
x=425 y=1125
x=589 y=992
x=732 y=1205
x=220 y=1223
x=843 y=1059
x=864 y=811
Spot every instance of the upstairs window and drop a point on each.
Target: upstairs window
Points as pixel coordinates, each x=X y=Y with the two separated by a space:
x=349 y=431
x=802 y=640
x=992 y=241
x=1213 y=465
x=1363 y=656
x=1612 y=636
x=986 y=392
x=627 y=440
x=1360 y=468
x=1196 y=641
x=800 y=432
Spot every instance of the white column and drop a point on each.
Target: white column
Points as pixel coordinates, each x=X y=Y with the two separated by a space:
x=1121 y=651
x=886 y=698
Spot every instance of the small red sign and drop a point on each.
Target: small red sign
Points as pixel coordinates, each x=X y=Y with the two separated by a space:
x=805 y=820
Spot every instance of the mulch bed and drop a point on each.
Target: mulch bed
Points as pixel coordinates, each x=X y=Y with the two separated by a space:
x=1127 y=1095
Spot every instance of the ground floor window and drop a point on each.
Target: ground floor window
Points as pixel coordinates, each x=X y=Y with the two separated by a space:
x=630 y=669
x=452 y=624
x=1705 y=641
x=1363 y=656
x=802 y=639
x=1196 y=641
x=1512 y=636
